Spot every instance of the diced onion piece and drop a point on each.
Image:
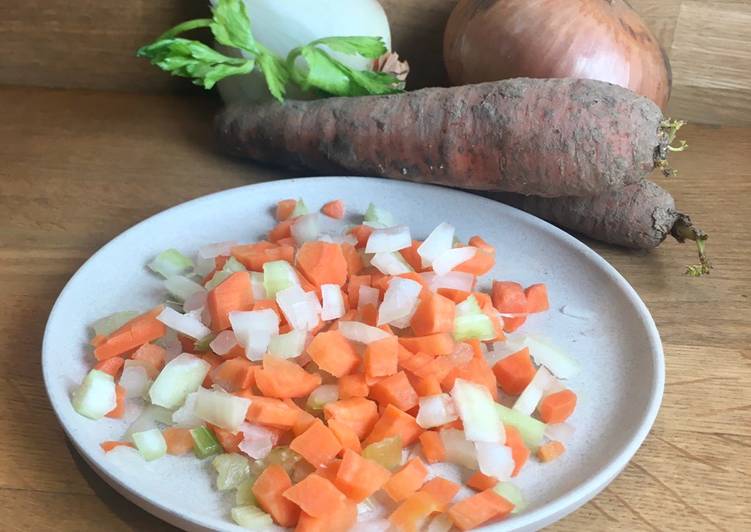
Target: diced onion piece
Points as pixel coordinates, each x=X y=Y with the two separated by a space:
x=455 y=280
x=495 y=460
x=542 y=384
x=233 y=265
x=325 y=393
x=183 y=323
x=377 y=217
x=257 y=440
x=530 y=429
x=306 y=228
x=389 y=239
x=170 y=262
x=560 y=364
x=459 y=450
x=223 y=343
x=367 y=295
x=254 y=329
x=559 y=431
x=390 y=263
x=251 y=517
x=477 y=410
x=288 y=345
x=96 y=396
x=232 y=470
x=203 y=267
x=150 y=443
x=217 y=249
x=399 y=301
x=257 y=286
x=181 y=376
x=440 y=240
x=301 y=308
x=185 y=416
x=217 y=279
x=451 y=258
x=109 y=324
x=503 y=349
x=181 y=287
x=333 y=302
x=222 y=409
x=134 y=379
x=196 y=301
x=149 y=418
x=300 y=209
x=512 y=494
x=338 y=239
x=278 y=275
x=370 y=525
x=436 y=410
x=359 y=332
x=440 y=523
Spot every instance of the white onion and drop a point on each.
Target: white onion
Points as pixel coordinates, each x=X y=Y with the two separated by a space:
x=542 y=384
x=367 y=295
x=511 y=345
x=185 y=416
x=134 y=379
x=282 y=26
x=217 y=249
x=391 y=263
x=171 y=344
x=253 y=330
x=288 y=345
x=371 y=525
x=257 y=286
x=389 y=239
x=450 y=259
x=440 y=523
x=560 y=364
x=440 y=240
x=559 y=431
x=221 y=409
x=459 y=450
x=301 y=308
x=181 y=287
x=495 y=460
x=306 y=228
x=333 y=302
x=257 y=440
x=346 y=238
x=325 y=393
x=196 y=301
x=224 y=342
x=359 y=332
x=455 y=280
x=203 y=266
x=477 y=411
x=436 y=410
x=150 y=417
x=400 y=300
x=183 y=323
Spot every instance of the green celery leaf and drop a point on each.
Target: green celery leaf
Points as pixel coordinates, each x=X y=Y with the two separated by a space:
x=231 y=25
x=370 y=47
x=276 y=74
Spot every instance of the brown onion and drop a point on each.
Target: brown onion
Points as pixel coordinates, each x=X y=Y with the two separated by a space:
x=489 y=40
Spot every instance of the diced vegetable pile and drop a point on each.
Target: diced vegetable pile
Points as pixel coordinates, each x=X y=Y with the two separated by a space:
x=326 y=373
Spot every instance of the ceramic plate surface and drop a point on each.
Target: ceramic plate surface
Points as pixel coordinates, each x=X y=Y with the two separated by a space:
x=613 y=336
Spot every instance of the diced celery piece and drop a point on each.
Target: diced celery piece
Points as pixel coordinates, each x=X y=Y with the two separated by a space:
x=182 y=375
x=204 y=442
x=233 y=265
x=512 y=494
x=202 y=345
x=283 y=456
x=150 y=443
x=530 y=429
x=232 y=468
x=170 y=262
x=109 y=324
x=278 y=275
x=471 y=323
x=244 y=494
x=387 y=452
x=96 y=396
x=251 y=517
x=181 y=287
x=378 y=217
x=300 y=209
x=217 y=279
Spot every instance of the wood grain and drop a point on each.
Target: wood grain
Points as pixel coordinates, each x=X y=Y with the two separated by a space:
x=79 y=167
x=89 y=44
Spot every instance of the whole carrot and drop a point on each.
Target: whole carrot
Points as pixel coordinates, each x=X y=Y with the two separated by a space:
x=549 y=137
x=640 y=216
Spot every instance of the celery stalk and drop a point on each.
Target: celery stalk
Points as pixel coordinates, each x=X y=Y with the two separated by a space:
x=170 y=263
x=204 y=442
x=530 y=429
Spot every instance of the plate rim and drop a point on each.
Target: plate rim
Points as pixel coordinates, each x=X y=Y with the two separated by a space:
x=556 y=508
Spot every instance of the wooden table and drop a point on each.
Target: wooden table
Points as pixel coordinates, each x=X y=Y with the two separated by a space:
x=77 y=167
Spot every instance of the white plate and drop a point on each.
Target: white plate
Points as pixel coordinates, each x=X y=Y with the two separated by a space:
x=619 y=388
